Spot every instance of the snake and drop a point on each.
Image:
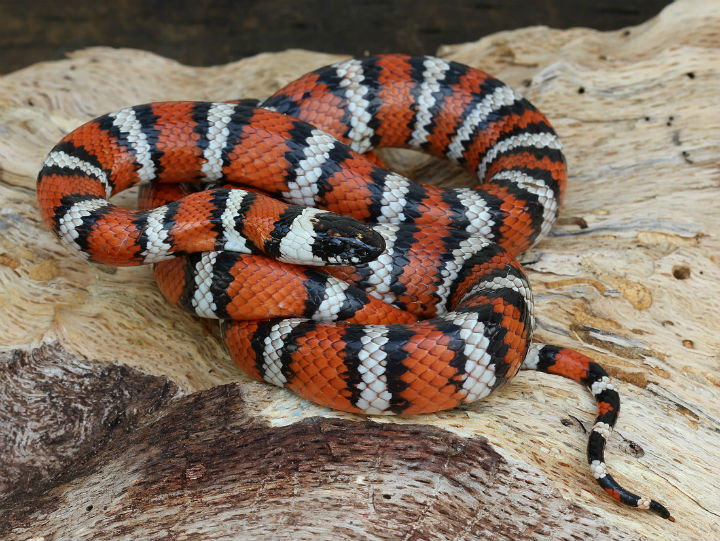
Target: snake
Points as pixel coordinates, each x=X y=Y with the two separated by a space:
x=352 y=285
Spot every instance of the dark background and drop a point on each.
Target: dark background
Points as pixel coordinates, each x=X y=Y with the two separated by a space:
x=208 y=32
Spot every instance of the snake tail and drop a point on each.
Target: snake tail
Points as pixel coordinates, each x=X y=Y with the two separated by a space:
x=578 y=367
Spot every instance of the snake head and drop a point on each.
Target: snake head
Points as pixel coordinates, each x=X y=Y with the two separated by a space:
x=318 y=237
x=341 y=240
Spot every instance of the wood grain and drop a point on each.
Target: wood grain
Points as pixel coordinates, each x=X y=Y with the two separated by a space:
x=112 y=399
x=164 y=465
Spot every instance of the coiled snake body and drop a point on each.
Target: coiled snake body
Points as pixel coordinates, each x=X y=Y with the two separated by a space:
x=362 y=290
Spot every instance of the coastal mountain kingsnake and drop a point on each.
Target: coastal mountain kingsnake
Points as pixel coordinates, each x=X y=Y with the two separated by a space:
x=361 y=290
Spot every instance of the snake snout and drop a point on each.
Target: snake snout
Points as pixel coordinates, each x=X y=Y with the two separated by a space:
x=341 y=240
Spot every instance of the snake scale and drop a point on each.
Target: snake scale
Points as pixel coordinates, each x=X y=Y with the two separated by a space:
x=347 y=283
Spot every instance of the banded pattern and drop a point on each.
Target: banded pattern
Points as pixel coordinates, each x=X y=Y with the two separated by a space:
x=448 y=110
x=427 y=308
x=150 y=142
x=576 y=366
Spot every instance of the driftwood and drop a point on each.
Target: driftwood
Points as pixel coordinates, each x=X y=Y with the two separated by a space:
x=121 y=417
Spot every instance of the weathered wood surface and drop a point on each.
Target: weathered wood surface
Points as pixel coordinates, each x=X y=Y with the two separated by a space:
x=121 y=417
